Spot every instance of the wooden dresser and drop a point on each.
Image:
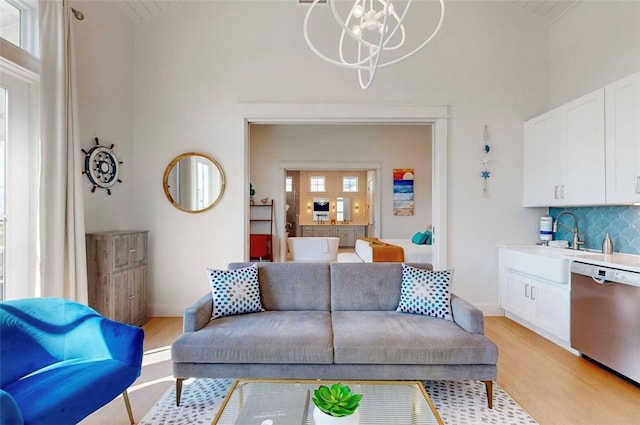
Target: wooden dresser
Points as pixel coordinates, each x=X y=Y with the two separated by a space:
x=117 y=275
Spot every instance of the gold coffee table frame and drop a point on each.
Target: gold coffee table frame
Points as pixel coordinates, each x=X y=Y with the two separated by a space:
x=383 y=402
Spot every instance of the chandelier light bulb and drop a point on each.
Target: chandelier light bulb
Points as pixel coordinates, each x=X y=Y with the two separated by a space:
x=372 y=24
x=387 y=34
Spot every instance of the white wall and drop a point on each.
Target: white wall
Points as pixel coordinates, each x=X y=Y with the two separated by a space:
x=195 y=64
x=594 y=45
x=104 y=65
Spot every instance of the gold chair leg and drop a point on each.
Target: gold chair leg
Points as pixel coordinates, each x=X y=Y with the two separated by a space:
x=125 y=397
x=178 y=390
x=488 y=385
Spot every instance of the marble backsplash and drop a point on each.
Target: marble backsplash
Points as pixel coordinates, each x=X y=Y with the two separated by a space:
x=621 y=222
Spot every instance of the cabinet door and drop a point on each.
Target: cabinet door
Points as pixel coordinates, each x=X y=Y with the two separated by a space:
x=120 y=245
x=622 y=102
x=551 y=309
x=321 y=231
x=137 y=295
x=545 y=159
x=138 y=249
x=517 y=298
x=585 y=183
x=119 y=303
x=347 y=236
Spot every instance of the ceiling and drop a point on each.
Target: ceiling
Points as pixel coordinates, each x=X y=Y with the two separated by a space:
x=142 y=10
x=547 y=10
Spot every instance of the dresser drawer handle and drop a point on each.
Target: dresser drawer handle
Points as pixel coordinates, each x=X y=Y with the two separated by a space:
x=132 y=250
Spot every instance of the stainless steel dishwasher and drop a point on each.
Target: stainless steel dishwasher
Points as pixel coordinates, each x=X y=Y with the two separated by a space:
x=605 y=316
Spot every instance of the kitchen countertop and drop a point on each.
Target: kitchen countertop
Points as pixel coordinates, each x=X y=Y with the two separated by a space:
x=616 y=260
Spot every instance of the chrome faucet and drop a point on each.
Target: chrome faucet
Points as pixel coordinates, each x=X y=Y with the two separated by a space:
x=576 y=239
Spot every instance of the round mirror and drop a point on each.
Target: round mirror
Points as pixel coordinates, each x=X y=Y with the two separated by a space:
x=193 y=182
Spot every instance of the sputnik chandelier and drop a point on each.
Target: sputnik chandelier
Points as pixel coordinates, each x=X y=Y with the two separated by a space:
x=375 y=26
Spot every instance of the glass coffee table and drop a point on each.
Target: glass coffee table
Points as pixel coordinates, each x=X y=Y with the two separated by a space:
x=383 y=402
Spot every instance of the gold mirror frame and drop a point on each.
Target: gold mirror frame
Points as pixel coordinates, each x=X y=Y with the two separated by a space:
x=168 y=174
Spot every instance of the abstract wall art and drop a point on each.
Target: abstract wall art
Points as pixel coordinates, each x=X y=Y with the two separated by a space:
x=403 y=191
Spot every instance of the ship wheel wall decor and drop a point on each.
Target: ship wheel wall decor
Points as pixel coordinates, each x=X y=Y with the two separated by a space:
x=101 y=166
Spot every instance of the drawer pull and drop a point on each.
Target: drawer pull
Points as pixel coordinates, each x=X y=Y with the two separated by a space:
x=526 y=290
x=533 y=297
x=132 y=250
x=637 y=184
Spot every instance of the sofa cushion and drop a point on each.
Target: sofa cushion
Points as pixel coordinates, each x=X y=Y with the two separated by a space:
x=377 y=285
x=387 y=337
x=267 y=337
x=235 y=291
x=425 y=292
x=293 y=286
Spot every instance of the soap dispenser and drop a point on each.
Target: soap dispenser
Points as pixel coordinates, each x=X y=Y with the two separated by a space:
x=607 y=247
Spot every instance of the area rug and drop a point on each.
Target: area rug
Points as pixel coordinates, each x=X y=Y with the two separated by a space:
x=458 y=402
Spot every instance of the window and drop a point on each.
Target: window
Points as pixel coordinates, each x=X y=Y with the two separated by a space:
x=19 y=187
x=288 y=184
x=10 y=24
x=317 y=184
x=350 y=184
x=18 y=23
x=3 y=131
x=18 y=147
x=339 y=208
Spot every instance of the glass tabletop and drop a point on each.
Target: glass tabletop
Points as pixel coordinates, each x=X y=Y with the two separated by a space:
x=383 y=402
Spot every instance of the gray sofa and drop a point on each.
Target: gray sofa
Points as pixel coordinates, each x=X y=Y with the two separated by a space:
x=333 y=321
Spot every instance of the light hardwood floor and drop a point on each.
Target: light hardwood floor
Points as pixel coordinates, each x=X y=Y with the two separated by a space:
x=553 y=385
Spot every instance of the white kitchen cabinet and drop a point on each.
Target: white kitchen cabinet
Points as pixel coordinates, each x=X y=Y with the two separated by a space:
x=538 y=302
x=564 y=154
x=622 y=105
x=535 y=291
x=585 y=151
x=544 y=158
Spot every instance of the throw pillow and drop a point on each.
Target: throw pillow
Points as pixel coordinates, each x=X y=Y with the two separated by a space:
x=419 y=238
x=422 y=238
x=235 y=291
x=425 y=292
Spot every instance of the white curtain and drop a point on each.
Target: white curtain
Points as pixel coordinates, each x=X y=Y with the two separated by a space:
x=63 y=270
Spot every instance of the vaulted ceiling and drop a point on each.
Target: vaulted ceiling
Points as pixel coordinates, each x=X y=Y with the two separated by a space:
x=142 y=10
x=547 y=10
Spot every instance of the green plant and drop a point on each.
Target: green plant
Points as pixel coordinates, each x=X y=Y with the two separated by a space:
x=338 y=400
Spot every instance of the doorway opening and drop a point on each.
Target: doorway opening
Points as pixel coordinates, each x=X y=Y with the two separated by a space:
x=433 y=117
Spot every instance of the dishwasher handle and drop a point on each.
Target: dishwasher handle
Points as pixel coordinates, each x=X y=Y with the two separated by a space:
x=600 y=280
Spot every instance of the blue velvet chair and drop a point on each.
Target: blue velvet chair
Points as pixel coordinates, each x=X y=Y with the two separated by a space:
x=61 y=360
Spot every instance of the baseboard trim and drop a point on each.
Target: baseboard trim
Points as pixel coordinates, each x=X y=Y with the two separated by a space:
x=490 y=309
x=558 y=341
x=165 y=310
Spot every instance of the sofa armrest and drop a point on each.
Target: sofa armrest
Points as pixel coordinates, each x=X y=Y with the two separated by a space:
x=198 y=314
x=467 y=316
x=124 y=342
